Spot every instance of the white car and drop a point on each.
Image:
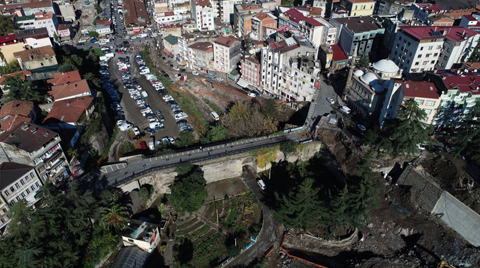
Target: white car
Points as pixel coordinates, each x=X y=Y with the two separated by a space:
x=176 y=68
x=251 y=94
x=136 y=131
x=125 y=127
x=144 y=94
x=331 y=101
x=220 y=79
x=195 y=73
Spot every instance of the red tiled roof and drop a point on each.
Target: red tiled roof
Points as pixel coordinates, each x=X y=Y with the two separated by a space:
x=7 y=39
x=227 y=41
x=203 y=3
x=68 y=111
x=63 y=78
x=453 y=33
x=360 y=1
x=419 y=89
x=14 y=121
x=23 y=75
x=35 y=53
x=204 y=46
x=338 y=53
x=297 y=16
x=466 y=82
x=70 y=89
x=16 y=107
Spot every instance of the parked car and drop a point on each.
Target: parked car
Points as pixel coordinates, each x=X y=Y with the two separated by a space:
x=136 y=131
x=361 y=127
x=143 y=145
x=331 y=100
x=195 y=73
x=251 y=94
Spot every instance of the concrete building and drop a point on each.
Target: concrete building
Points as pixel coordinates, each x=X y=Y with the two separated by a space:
x=227 y=52
x=260 y=23
x=36 y=60
x=170 y=45
x=226 y=9
x=70 y=113
x=17 y=182
x=31 y=144
x=289 y=69
x=27 y=8
x=358 y=34
x=358 y=7
x=7 y=51
x=251 y=71
x=243 y=14
x=135 y=15
x=203 y=14
x=425 y=93
x=332 y=57
x=368 y=90
x=103 y=27
x=424 y=48
x=321 y=4
x=311 y=28
x=67 y=11
x=471 y=22
x=441 y=20
x=330 y=32
x=143 y=235
x=71 y=90
x=200 y=56
x=460 y=95
x=46 y=20
x=64 y=32
x=16 y=112
x=184 y=40
x=386 y=7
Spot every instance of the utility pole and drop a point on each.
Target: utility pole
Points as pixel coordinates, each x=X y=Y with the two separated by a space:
x=350 y=74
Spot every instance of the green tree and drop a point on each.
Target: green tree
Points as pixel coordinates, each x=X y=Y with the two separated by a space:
x=246 y=120
x=188 y=192
x=468 y=138
x=11 y=67
x=402 y=134
x=288 y=147
x=216 y=133
x=93 y=34
x=185 y=139
x=145 y=192
x=300 y=207
x=270 y=109
x=288 y=2
x=475 y=56
x=21 y=90
x=364 y=61
x=6 y=25
x=184 y=169
x=114 y=217
x=93 y=79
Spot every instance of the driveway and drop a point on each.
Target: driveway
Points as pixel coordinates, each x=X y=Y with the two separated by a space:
x=271 y=233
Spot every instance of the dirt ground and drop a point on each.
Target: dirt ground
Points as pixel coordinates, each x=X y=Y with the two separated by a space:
x=228 y=187
x=391 y=238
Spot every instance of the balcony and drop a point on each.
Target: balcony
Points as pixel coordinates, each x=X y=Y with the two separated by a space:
x=458 y=99
x=446 y=96
x=471 y=102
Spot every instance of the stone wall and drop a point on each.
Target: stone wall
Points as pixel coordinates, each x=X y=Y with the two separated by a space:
x=224 y=167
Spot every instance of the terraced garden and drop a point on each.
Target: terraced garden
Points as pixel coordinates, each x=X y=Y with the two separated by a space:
x=200 y=245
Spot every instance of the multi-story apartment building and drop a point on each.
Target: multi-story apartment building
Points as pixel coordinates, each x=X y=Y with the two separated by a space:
x=460 y=95
x=200 y=56
x=251 y=71
x=17 y=182
x=227 y=52
x=184 y=40
x=425 y=93
x=225 y=9
x=321 y=4
x=358 y=35
x=31 y=144
x=39 y=20
x=425 y=48
x=203 y=13
x=289 y=69
x=358 y=7
x=309 y=27
x=242 y=18
x=330 y=32
x=261 y=22
x=389 y=7
x=27 y=7
x=471 y=22
x=37 y=60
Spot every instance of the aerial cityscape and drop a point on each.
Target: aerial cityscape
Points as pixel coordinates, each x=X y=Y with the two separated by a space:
x=242 y=134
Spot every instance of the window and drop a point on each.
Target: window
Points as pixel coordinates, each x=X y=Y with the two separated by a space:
x=27 y=191
x=419 y=56
x=22 y=181
x=17 y=185
x=435 y=54
x=425 y=63
x=430 y=103
x=408 y=44
x=432 y=62
x=12 y=189
x=6 y=193
x=420 y=102
x=421 y=48
x=430 y=47
x=399 y=38
x=33 y=187
x=416 y=63
x=428 y=111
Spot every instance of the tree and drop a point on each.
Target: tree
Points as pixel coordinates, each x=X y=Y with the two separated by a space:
x=188 y=192
x=364 y=62
x=288 y=2
x=300 y=207
x=246 y=120
x=468 y=138
x=270 y=109
x=11 y=67
x=184 y=169
x=6 y=25
x=93 y=34
x=18 y=89
x=114 y=217
x=185 y=139
x=215 y=134
x=402 y=134
x=475 y=56
x=145 y=192
x=288 y=147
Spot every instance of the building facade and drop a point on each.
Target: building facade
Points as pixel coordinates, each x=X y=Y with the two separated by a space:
x=200 y=56
x=251 y=71
x=203 y=14
x=261 y=22
x=227 y=53
x=359 y=7
x=242 y=18
x=424 y=48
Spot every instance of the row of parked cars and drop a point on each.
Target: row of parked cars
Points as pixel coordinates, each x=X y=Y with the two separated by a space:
x=179 y=115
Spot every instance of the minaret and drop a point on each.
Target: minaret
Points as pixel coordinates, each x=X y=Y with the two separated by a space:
x=350 y=74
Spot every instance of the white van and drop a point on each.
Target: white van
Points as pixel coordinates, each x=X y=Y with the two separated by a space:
x=215 y=116
x=261 y=184
x=345 y=109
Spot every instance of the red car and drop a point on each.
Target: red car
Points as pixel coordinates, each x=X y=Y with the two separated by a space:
x=143 y=145
x=121 y=52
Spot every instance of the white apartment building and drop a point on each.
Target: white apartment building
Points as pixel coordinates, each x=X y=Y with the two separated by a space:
x=329 y=32
x=289 y=69
x=311 y=28
x=227 y=52
x=203 y=14
x=46 y=20
x=225 y=9
x=425 y=48
x=200 y=56
x=17 y=182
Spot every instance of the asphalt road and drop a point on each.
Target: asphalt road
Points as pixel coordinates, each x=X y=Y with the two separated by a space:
x=119 y=174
